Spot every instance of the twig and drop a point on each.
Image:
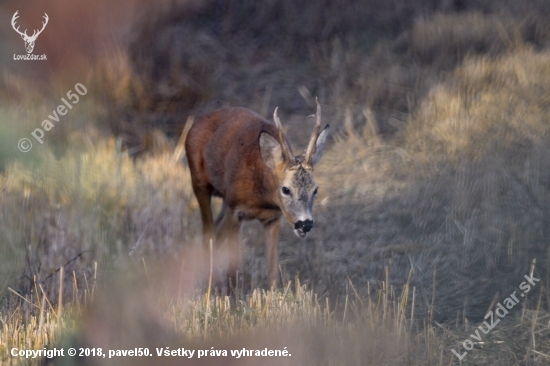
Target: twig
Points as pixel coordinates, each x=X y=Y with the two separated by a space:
x=66 y=264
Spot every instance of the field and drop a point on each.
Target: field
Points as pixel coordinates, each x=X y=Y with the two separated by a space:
x=431 y=243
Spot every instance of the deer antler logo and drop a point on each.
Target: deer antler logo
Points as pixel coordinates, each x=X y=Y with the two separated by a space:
x=29 y=41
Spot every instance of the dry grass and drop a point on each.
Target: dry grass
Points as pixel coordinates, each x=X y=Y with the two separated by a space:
x=486 y=105
x=86 y=206
x=159 y=308
x=444 y=40
x=153 y=312
x=436 y=181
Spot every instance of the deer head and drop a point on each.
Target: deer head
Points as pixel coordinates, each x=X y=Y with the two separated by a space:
x=297 y=188
x=29 y=40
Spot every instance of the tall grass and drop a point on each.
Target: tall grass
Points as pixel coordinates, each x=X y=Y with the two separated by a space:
x=292 y=318
x=431 y=208
x=149 y=311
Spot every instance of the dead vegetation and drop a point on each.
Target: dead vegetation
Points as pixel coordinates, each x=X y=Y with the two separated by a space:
x=435 y=187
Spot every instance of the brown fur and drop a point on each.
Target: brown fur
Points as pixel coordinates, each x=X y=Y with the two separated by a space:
x=238 y=155
x=224 y=159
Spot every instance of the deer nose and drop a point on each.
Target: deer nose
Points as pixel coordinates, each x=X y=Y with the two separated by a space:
x=304 y=226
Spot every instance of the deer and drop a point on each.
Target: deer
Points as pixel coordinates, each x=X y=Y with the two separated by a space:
x=29 y=41
x=236 y=154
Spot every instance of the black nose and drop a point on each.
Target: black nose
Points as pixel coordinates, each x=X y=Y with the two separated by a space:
x=304 y=226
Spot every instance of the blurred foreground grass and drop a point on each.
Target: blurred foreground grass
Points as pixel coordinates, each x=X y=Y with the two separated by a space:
x=378 y=330
x=433 y=201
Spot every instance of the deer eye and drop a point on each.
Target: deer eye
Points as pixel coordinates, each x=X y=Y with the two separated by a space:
x=315 y=191
x=286 y=191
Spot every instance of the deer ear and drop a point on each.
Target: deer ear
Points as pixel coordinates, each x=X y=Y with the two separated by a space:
x=320 y=145
x=270 y=150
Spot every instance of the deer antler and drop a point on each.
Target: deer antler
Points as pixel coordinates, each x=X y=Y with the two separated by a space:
x=24 y=34
x=286 y=152
x=13 y=19
x=35 y=34
x=310 y=151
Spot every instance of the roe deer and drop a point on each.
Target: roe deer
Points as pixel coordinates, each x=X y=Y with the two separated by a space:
x=238 y=155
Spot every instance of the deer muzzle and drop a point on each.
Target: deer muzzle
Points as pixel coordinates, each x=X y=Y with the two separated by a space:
x=302 y=227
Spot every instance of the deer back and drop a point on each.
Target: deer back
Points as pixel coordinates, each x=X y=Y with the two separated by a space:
x=224 y=154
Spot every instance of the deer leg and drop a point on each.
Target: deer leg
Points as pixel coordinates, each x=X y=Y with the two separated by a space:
x=228 y=228
x=204 y=197
x=272 y=229
x=220 y=216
